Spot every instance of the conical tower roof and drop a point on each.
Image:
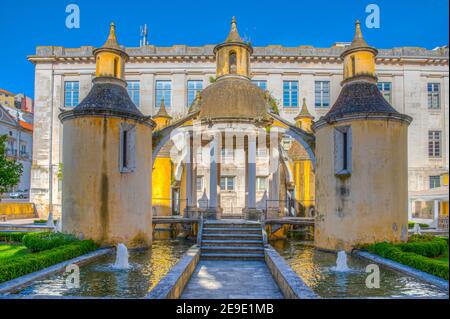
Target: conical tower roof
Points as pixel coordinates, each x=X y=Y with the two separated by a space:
x=111 y=42
x=162 y=111
x=304 y=113
x=233 y=36
x=358 y=42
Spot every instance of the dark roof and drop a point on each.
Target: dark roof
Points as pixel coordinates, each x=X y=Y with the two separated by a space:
x=110 y=97
x=359 y=97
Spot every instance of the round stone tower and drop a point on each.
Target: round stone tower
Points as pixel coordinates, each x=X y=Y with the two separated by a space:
x=107 y=159
x=361 y=153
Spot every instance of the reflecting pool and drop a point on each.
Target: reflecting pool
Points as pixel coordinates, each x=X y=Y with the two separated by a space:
x=317 y=269
x=100 y=279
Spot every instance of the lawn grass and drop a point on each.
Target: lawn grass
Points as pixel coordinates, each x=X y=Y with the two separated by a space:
x=443 y=258
x=12 y=250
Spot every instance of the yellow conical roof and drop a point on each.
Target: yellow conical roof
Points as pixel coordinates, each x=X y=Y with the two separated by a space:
x=111 y=42
x=304 y=113
x=162 y=111
x=358 y=43
x=233 y=36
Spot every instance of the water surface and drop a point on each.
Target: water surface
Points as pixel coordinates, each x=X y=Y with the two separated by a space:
x=99 y=279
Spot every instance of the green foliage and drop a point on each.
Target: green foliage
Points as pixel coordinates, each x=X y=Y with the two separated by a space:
x=212 y=79
x=12 y=250
x=60 y=171
x=46 y=240
x=40 y=221
x=10 y=171
x=428 y=248
x=12 y=236
x=19 y=266
x=416 y=254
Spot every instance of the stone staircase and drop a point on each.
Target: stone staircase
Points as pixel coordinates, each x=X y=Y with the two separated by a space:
x=232 y=240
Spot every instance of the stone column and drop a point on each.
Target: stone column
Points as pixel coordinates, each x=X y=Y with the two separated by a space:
x=436 y=211
x=189 y=185
x=213 y=175
x=251 y=162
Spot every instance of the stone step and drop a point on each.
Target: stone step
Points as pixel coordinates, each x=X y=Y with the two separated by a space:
x=232 y=242
x=232 y=249
x=232 y=256
x=233 y=230
x=231 y=236
x=231 y=225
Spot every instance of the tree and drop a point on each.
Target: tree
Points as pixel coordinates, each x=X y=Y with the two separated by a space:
x=10 y=171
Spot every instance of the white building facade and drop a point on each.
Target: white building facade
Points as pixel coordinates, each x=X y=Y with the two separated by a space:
x=414 y=80
x=17 y=126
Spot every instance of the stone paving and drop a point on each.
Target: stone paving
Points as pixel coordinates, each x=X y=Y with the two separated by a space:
x=220 y=279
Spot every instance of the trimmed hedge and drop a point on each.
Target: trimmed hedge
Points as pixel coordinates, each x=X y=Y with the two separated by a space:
x=414 y=260
x=19 y=266
x=46 y=240
x=12 y=236
x=433 y=247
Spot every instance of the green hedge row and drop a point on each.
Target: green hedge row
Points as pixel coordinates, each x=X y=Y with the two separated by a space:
x=433 y=247
x=12 y=236
x=19 y=266
x=414 y=260
x=46 y=240
x=411 y=225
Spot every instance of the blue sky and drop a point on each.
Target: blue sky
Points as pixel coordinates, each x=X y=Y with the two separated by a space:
x=27 y=24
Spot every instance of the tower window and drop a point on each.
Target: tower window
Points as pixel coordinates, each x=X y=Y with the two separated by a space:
x=343 y=150
x=127 y=148
x=116 y=67
x=232 y=62
x=352 y=73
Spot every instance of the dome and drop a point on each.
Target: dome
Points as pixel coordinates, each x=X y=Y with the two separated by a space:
x=233 y=97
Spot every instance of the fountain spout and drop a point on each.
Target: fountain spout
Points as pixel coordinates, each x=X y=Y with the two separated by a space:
x=121 y=257
x=341 y=262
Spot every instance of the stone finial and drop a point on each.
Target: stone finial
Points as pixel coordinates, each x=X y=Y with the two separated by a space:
x=112 y=42
x=233 y=36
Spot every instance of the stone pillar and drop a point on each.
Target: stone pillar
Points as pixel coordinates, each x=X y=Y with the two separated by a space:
x=436 y=211
x=189 y=172
x=212 y=204
x=251 y=162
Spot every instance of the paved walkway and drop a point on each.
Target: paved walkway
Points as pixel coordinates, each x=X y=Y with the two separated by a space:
x=221 y=279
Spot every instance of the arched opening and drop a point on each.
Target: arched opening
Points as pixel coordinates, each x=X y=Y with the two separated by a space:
x=116 y=67
x=353 y=71
x=232 y=61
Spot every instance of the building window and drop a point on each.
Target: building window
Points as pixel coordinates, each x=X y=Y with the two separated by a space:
x=194 y=86
x=435 y=181
x=227 y=152
x=261 y=84
x=322 y=93
x=227 y=183
x=134 y=92
x=232 y=63
x=163 y=90
x=385 y=89
x=434 y=92
x=434 y=143
x=261 y=183
x=199 y=183
x=127 y=148
x=290 y=93
x=71 y=93
x=343 y=150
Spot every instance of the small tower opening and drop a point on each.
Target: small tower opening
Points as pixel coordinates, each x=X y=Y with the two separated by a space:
x=352 y=72
x=116 y=67
x=233 y=63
